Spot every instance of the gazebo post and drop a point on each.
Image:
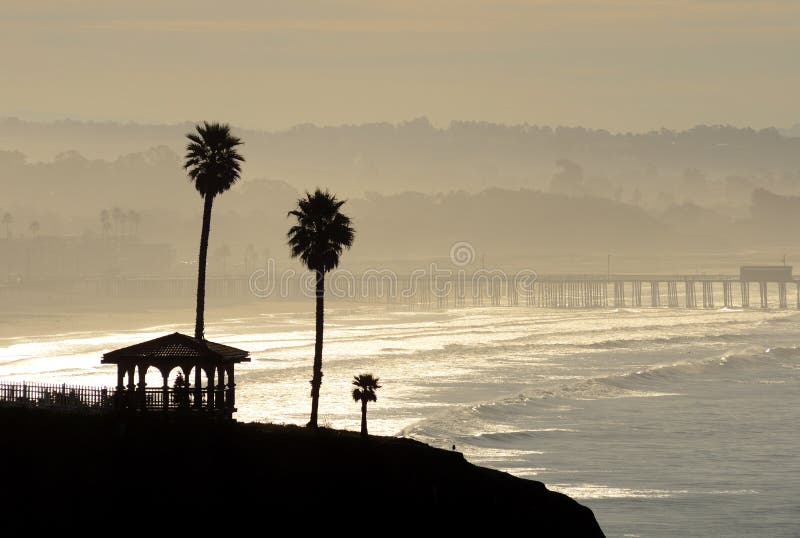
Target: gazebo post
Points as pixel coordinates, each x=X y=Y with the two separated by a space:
x=210 y=397
x=131 y=386
x=142 y=385
x=220 y=397
x=119 y=394
x=165 y=390
x=198 y=387
x=230 y=397
x=120 y=377
x=130 y=396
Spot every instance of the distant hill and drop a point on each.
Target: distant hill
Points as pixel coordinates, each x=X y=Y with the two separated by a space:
x=793 y=131
x=416 y=155
x=415 y=189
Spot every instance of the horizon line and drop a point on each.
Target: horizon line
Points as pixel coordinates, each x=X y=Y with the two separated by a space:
x=395 y=124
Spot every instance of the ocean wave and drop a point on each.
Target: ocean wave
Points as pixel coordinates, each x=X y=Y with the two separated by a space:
x=660 y=333
x=663 y=340
x=535 y=345
x=511 y=436
x=793 y=317
x=647 y=382
x=524 y=472
x=687 y=368
x=785 y=352
x=598 y=491
x=595 y=389
x=671 y=379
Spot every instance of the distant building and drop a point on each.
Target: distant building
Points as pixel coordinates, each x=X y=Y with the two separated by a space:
x=765 y=273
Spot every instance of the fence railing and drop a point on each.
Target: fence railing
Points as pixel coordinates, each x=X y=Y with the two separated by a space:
x=56 y=396
x=80 y=398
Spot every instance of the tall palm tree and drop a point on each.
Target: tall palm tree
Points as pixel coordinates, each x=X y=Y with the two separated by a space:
x=116 y=215
x=213 y=164
x=135 y=219
x=8 y=220
x=34 y=227
x=105 y=222
x=223 y=253
x=123 y=222
x=366 y=385
x=321 y=234
x=249 y=258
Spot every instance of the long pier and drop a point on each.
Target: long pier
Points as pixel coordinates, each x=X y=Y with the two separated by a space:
x=480 y=288
x=659 y=291
x=594 y=291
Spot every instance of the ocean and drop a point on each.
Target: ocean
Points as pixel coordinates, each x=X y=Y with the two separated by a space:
x=665 y=422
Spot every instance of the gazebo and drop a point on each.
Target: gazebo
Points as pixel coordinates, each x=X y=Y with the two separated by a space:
x=191 y=355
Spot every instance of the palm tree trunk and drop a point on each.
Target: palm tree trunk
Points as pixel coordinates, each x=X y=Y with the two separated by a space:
x=199 y=325
x=316 y=380
x=364 y=418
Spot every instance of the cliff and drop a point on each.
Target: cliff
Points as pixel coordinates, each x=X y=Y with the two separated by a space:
x=125 y=468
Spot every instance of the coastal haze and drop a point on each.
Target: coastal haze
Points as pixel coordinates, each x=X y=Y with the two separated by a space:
x=582 y=151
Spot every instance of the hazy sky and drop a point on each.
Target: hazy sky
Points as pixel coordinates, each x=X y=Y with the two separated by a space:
x=616 y=64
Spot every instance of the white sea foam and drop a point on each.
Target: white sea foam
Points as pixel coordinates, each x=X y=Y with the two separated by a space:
x=598 y=491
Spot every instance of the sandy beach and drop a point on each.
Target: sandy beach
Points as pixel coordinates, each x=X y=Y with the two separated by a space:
x=27 y=319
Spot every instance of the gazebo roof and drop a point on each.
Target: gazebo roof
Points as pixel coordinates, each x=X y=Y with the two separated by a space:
x=177 y=346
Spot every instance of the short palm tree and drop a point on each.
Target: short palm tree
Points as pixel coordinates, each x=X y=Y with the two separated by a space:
x=366 y=385
x=321 y=234
x=213 y=164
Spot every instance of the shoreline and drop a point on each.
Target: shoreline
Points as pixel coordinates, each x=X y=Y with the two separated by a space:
x=29 y=322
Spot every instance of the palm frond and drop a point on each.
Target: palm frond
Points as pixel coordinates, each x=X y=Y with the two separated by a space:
x=367 y=382
x=212 y=160
x=321 y=233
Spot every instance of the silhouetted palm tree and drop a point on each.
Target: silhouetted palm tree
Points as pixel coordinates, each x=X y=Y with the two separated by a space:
x=123 y=222
x=249 y=258
x=105 y=223
x=34 y=227
x=8 y=220
x=116 y=215
x=366 y=385
x=135 y=219
x=223 y=253
x=213 y=163
x=321 y=234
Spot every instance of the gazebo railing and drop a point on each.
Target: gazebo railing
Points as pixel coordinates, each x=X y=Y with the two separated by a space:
x=176 y=398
